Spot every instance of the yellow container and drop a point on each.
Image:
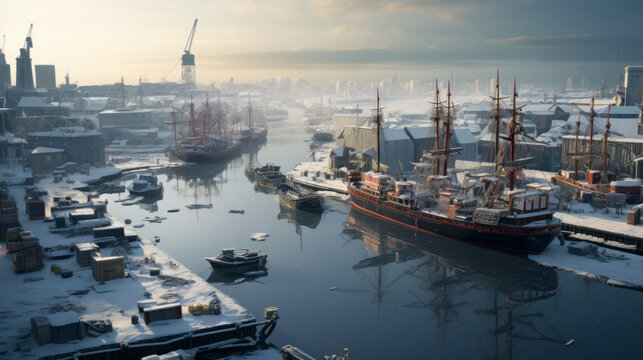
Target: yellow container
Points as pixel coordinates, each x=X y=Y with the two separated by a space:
x=57 y=270
x=53 y=267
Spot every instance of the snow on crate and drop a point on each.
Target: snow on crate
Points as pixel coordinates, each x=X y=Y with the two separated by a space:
x=81 y=298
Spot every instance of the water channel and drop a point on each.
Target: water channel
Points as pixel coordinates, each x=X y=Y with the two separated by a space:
x=342 y=279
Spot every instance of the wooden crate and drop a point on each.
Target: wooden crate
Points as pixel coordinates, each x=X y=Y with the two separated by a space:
x=108 y=268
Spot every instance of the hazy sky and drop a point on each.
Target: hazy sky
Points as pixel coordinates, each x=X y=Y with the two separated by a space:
x=539 y=40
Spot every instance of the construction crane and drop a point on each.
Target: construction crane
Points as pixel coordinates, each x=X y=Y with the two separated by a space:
x=188 y=69
x=24 y=76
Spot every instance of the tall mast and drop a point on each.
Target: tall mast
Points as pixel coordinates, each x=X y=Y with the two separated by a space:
x=512 y=137
x=204 y=130
x=249 y=114
x=447 y=130
x=140 y=92
x=496 y=117
x=436 y=124
x=576 y=148
x=123 y=91
x=591 y=134
x=192 y=132
x=606 y=134
x=378 y=124
x=174 y=126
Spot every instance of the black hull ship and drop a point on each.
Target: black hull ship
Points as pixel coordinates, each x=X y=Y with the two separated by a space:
x=297 y=200
x=479 y=211
x=238 y=260
x=200 y=146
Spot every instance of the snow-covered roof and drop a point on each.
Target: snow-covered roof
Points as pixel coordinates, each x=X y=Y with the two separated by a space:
x=421 y=132
x=395 y=134
x=630 y=111
x=71 y=131
x=339 y=151
x=46 y=150
x=95 y=103
x=464 y=135
x=475 y=107
x=34 y=102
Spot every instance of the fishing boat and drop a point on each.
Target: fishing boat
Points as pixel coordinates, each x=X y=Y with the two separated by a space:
x=146 y=185
x=296 y=200
x=478 y=211
x=238 y=260
x=200 y=145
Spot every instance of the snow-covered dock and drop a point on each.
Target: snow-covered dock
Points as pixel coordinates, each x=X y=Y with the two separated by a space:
x=43 y=293
x=315 y=175
x=607 y=229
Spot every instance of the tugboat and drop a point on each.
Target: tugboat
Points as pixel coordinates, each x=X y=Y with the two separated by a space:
x=238 y=260
x=297 y=200
x=146 y=185
x=480 y=211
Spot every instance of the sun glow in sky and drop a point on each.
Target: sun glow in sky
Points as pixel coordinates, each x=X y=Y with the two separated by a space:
x=543 y=41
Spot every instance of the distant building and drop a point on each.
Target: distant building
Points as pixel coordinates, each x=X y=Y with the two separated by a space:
x=43 y=160
x=84 y=147
x=340 y=120
x=5 y=74
x=45 y=76
x=125 y=119
x=633 y=85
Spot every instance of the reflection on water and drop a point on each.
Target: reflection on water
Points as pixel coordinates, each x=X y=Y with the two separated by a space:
x=449 y=271
x=341 y=279
x=232 y=278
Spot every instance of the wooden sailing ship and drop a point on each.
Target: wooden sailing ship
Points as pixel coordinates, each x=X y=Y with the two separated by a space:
x=480 y=211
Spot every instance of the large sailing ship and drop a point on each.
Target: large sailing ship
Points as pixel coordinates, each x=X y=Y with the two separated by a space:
x=252 y=134
x=479 y=211
x=200 y=145
x=598 y=182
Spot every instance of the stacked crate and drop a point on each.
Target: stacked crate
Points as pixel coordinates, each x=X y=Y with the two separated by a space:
x=85 y=252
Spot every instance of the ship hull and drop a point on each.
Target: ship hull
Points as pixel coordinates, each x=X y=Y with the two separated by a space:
x=521 y=240
x=206 y=157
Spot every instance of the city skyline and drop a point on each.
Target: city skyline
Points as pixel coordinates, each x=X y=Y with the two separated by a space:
x=324 y=40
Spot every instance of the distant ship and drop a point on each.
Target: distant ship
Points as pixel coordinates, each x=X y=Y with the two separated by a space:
x=480 y=211
x=597 y=182
x=251 y=134
x=200 y=146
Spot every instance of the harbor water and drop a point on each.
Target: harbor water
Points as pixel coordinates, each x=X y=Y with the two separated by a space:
x=341 y=279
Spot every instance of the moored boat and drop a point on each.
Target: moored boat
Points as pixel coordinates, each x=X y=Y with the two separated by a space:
x=146 y=185
x=238 y=260
x=297 y=200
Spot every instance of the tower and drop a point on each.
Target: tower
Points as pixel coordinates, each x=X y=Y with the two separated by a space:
x=24 y=76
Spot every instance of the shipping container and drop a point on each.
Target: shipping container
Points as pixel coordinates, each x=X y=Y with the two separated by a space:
x=41 y=329
x=117 y=231
x=162 y=312
x=28 y=259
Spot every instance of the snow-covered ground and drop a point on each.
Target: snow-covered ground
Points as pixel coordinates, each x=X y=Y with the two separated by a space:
x=611 y=266
x=42 y=292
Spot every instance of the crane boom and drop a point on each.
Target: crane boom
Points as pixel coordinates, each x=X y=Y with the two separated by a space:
x=188 y=44
x=28 y=43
